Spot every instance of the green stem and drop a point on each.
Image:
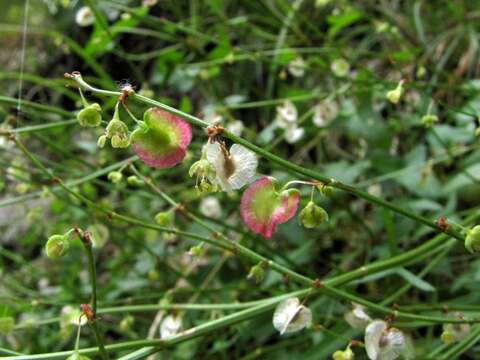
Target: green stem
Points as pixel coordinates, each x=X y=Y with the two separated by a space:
x=93 y=279
x=284 y=163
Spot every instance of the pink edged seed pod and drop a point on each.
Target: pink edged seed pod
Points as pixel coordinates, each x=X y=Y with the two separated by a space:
x=162 y=139
x=263 y=208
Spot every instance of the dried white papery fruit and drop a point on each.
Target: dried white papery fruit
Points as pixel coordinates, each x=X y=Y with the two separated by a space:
x=171 y=325
x=357 y=318
x=234 y=168
x=291 y=316
x=382 y=342
x=84 y=16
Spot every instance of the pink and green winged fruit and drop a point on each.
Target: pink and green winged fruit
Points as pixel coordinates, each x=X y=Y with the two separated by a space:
x=263 y=207
x=162 y=138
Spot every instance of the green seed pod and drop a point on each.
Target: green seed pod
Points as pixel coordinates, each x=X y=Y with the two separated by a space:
x=127 y=323
x=57 y=246
x=120 y=142
x=447 y=337
x=257 y=273
x=6 y=325
x=114 y=176
x=197 y=250
x=118 y=131
x=472 y=240
x=134 y=181
x=164 y=218
x=394 y=95
x=313 y=216
x=153 y=275
x=101 y=141
x=429 y=120
x=90 y=115
x=340 y=67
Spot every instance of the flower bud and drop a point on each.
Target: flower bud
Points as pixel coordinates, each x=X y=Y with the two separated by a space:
x=197 y=250
x=119 y=142
x=394 y=95
x=472 y=240
x=117 y=131
x=6 y=325
x=346 y=354
x=101 y=141
x=164 y=218
x=57 y=245
x=114 y=176
x=90 y=115
x=134 y=181
x=313 y=216
x=429 y=120
x=153 y=275
x=257 y=273
x=447 y=337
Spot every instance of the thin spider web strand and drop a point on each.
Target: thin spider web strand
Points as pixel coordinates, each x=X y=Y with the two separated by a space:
x=22 y=56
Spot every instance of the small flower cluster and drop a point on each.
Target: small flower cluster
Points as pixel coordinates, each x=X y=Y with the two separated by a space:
x=161 y=140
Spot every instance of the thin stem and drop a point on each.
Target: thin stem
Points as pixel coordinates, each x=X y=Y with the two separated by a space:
x=87 y=243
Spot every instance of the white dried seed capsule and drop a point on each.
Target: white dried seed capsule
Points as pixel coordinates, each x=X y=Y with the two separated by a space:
x=291 y=316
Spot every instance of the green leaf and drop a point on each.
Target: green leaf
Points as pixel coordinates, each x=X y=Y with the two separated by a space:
x=415 y=280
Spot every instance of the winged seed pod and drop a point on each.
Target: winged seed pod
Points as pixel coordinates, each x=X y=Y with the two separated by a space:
x=234 y=168
x=382 y=342
x=357 y=318
x=162 y=139
x=57 y=246
x=263 y=208
x=171 y=325
x=291 y=316
x=455 y=332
